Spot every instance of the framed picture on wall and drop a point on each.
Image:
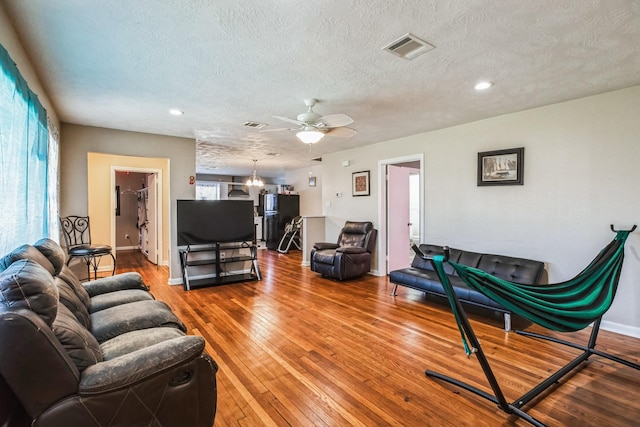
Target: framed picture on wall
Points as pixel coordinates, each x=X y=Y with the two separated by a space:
x=312 y=181
x=501 y=167
x=360 y=183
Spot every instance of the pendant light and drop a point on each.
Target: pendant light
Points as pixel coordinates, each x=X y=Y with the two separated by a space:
x=254 y=180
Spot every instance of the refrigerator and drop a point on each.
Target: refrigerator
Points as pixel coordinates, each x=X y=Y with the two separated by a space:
x=279 y=210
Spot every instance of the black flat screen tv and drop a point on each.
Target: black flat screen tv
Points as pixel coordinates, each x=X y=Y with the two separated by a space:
x=203 y=222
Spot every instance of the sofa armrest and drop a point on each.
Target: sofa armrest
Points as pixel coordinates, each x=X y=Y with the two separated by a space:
x=140 y=365
x=325 y=245
x=118 y=282
x=351 y=250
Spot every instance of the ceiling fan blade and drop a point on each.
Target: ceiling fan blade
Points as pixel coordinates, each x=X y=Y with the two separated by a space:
x=287 y=119
x=275 y=130
x=335 y=120
x=342 y=132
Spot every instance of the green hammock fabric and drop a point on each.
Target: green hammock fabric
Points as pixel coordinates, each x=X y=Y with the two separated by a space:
x=567 y=306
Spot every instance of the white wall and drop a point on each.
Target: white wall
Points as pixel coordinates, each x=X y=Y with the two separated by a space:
x=582 y=173
x=310 y=197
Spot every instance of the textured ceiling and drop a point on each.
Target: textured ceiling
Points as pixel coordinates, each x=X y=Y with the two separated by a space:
x=123 y=64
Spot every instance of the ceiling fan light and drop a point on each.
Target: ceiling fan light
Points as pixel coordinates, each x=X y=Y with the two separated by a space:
x=310 y=136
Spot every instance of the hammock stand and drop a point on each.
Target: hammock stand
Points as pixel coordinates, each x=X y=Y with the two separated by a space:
x=466 y=330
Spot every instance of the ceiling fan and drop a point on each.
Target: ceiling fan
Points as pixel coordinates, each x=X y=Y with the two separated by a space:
x=312 y=127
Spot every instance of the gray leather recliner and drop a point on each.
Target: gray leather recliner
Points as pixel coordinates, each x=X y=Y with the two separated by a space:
x=67 y=362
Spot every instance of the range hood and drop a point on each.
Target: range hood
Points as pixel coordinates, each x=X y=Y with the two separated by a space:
x=236 y=189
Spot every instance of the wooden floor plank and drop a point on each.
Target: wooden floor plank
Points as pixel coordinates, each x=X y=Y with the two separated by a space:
x=296 y=349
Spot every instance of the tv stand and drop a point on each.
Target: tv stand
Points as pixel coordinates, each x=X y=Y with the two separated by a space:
x=206 y=265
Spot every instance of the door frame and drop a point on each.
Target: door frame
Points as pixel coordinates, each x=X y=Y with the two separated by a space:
x=383 y=247
x=158 y=173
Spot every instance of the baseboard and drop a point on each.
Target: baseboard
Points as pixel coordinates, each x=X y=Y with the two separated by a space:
x=126 y=248
x=631 y=331
x=375 y=273
x=306 y=263
x=176 y=281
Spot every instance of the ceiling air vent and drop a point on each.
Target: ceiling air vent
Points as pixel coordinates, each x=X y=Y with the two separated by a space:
x=255 y=125
x=408 y=46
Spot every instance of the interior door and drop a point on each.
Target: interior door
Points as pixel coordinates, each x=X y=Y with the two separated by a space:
x=398 y=217
x=152 y=217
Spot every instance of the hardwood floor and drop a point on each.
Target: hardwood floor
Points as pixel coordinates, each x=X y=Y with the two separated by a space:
x=299 y=350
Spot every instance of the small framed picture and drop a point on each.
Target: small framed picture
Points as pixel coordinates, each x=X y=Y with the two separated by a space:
x=501 y=167
x=360 y=183
x=312 y=181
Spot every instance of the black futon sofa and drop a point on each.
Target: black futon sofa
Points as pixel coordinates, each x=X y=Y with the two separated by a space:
x=422 y=277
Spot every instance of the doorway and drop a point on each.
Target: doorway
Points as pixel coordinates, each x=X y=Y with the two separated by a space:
x=137 y=216
x=401 y=211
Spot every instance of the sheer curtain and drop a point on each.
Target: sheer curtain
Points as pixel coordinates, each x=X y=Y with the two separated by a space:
x=53 y=184
x=24 y=217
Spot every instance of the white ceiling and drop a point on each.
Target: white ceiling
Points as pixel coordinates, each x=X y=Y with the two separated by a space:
x=123 y=64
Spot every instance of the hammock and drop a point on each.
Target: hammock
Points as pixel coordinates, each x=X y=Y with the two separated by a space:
x=566 y=307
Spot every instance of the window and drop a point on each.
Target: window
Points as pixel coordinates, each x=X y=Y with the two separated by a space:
x=206 y=190
x=24 y=161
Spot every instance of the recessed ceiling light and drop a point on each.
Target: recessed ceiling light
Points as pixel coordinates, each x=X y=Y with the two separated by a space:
x=483 y=85
x=176 y=112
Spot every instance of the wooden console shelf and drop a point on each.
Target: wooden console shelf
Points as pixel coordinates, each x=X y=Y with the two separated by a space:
x=205 y=265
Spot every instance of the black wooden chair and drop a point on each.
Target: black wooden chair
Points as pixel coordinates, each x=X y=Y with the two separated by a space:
x=77 y=236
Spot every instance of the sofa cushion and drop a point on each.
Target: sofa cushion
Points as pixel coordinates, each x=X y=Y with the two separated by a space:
x=136 y=340
x=325 y=256
x=81 y=346
x=54 y=253
x=470 y=259
x=70 y=300
x=26 y=284
x=517 y=270
x=114 y=321
x=68 y=276
x=119 y=282
x=26 y=252
x=111 y=299
x=426 y=280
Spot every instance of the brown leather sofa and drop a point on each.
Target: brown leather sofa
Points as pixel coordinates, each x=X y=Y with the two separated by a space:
x=350 y=257
x=94 y=354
